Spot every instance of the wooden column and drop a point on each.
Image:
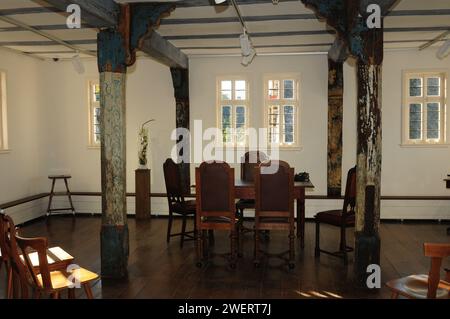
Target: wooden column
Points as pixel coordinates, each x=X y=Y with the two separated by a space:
x=365 y=42
x=367 y=250
x=335 y=119
x=180 y=78
x=114 y=232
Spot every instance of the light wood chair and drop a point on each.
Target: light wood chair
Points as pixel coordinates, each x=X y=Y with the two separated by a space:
x=423 y=286
x=46 y=282
x=214 y=183
x=6 y=225
x=274 y=210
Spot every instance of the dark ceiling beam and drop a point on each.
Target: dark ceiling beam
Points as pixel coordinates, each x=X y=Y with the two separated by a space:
x=163 y=51
x=97 y=13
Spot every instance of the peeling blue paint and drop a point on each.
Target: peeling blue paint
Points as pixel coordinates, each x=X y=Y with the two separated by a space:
x=143 y=16
x=111 y=52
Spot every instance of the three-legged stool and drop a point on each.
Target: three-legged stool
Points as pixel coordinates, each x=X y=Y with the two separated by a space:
x=53 y=193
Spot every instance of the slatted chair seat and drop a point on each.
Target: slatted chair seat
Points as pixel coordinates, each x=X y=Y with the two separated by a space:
x=61 y=280
x=334 y=217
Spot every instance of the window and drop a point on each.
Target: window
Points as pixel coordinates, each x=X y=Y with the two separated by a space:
x=282 y=108
x=424 y=109
x=3 y=114
x=94 y=113
x=233 y=103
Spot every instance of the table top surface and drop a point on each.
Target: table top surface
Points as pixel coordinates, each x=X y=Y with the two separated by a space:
x=241 y=183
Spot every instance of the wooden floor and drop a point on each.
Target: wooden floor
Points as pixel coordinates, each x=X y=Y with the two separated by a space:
x=159 y=270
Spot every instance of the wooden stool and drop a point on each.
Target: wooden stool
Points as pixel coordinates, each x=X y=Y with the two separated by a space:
x=53 y=193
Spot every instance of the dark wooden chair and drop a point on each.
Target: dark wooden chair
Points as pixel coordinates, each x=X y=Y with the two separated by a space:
x=177 y=203
x=215 y=208
x=43 y=281
x=342 y=218
x=423 y=286
x=249 y=161
x=6 y=225
x=274 y=209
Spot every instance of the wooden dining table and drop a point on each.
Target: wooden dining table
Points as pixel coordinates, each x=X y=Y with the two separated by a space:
x=246 y=190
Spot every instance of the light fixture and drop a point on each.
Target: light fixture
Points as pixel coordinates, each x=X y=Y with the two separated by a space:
x=444 y=50
x=78 y=64
x=220 y=1
x=247 y=50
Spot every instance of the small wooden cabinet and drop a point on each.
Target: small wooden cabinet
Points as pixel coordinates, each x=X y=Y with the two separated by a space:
x=143 y=204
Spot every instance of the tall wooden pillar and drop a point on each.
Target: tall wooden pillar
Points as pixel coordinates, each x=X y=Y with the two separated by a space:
x=180 y=78
x=335 y=119
x=353 y=21
x=114 y=232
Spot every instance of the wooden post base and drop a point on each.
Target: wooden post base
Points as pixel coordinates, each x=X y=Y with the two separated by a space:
x=367 y=252
x=114 y=251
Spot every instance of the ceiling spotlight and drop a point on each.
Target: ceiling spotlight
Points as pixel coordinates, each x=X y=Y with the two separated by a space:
x=246 y=60
x=78 y=64
x=220 y=1
x=444 y=50
x=247 y=50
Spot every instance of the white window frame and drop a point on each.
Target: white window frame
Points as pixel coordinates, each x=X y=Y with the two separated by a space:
x=233 y=103
x=92 y=105
x=295 y=102
x=423 y=100
x=3 y=114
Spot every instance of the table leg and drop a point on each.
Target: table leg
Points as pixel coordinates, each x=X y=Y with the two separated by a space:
x=301 y=218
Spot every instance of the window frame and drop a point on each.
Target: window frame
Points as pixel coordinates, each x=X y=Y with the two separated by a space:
x=281 y=102
x=4 y=147
x=423 y=100
x=92 y=105
x=234 y=104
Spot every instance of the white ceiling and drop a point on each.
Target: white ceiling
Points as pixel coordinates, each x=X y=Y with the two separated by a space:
x=205 y=29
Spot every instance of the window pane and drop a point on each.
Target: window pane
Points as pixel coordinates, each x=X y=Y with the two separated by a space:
x=415 y=87
x=96 y=92
x=274 y=124
x=97 y=115
x=240 y=124
x=226 y=123
x=274 y=89
x=289 y=124
x=288 y=86
x=433 y=120
x=226 y=90
x=433 y=86
x=415 y=121
x=240 y=90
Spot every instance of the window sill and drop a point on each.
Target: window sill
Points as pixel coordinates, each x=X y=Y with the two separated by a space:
x=443 y=145
x=290 y=148
x=93 y=147
x=5 y=151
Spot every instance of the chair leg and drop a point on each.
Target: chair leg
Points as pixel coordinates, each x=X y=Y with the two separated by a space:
x=54 y=295
x=211 y=236
x=71 y=293
x=169 y=226
x=88 y=291
x=317 y=250
x=291 y=249
x=183 y=231
x=9 y=283
x=394 y=295
x=200 y=235
x=233 y=248
x=37 y=294
x=256 y=252
x=343 y=245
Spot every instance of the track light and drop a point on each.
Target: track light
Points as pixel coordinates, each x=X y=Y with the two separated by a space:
x=248 y=52
x=444 y=50
x=220 y=1
x=78 y=64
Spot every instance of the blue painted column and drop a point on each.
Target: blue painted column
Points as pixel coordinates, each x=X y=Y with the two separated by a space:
x=114 y=232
